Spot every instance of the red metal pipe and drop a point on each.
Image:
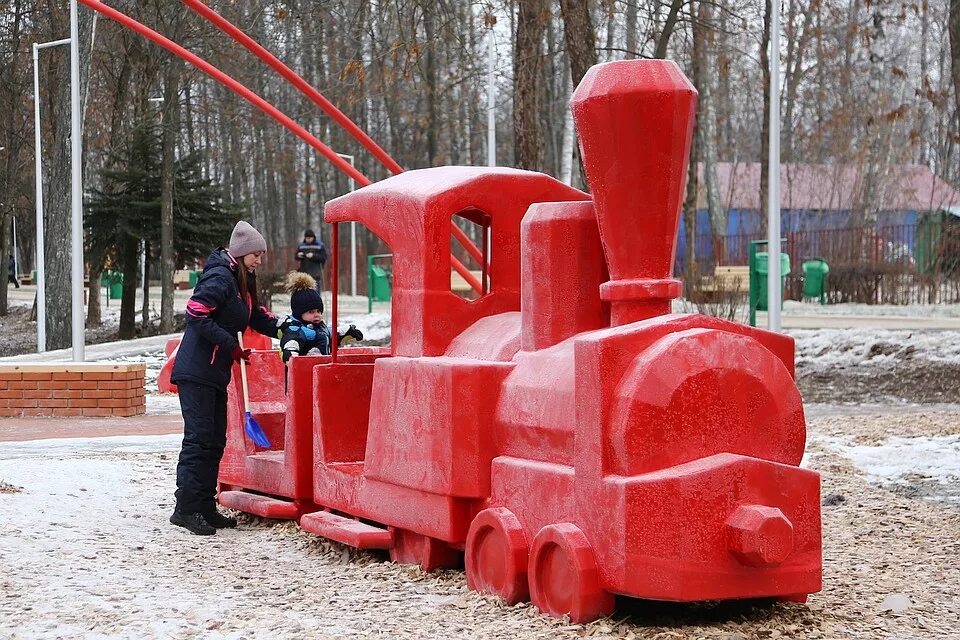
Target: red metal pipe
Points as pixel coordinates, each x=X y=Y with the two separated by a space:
x=231 y=84
x=261 y=104
x=334 y=290
x=291 y=76
x=469 y=277
x=486 y=243
x=467 y=243
x=297 y=81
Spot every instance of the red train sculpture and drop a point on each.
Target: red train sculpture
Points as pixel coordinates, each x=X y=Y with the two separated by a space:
x=564 y=435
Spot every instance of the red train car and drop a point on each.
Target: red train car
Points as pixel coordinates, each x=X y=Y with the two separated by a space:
x=564 y=434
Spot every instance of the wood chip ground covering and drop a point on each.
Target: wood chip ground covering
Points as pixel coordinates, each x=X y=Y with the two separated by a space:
x=85 y=568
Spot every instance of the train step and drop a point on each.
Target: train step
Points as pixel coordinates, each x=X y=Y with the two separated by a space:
x=346 y=530
x=263 y=506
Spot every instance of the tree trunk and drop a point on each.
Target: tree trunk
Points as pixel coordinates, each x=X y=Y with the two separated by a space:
x=690 y=267
x=430 y=78
x=578 y=35
x=528 y=133
x=145 y=308
x=171 y=110
x=954 y=27
x=9 y=77
x=708 y=127
x=128 y=301
x=57 y=202
x=631 y=36
x=93 y=292
x=765 y=129
x=671 y=23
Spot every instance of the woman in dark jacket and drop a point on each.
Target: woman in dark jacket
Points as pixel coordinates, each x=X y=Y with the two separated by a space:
x=223 y=303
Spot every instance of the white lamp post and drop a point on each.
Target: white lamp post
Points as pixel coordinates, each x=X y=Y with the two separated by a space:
x=76 y=191
x=774 y=290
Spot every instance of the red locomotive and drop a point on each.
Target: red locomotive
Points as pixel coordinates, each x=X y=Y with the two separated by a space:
x=563 y=434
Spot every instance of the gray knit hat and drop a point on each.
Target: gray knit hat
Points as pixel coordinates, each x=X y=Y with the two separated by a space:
x=245 y=239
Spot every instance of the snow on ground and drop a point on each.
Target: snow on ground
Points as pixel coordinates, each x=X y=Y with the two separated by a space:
x=793 y=307
x=374 y=326
x=818 y=349
x=931 y=461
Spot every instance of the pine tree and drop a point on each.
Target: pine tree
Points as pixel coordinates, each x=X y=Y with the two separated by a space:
x=126 y=211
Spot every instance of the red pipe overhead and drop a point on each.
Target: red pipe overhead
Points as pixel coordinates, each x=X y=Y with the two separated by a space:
x=256 y=49
x=297 y=81
x=258 y=102
x=231 y=84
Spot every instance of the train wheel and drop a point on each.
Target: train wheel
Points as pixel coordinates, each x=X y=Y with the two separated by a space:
x=431 y=554
x=564 y=579
x=496 y=555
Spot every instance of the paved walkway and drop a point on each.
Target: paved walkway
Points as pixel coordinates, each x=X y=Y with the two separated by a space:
x=20 y=429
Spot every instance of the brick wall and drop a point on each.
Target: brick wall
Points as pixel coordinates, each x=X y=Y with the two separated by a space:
x=72 y=389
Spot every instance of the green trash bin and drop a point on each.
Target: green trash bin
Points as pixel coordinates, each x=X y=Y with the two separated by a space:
x=379 y=283
x=762 y=269
x=759 y=268
x=113 y=281
x=194 y=276
x=815 y=279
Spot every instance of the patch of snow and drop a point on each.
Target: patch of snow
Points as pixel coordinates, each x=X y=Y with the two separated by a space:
x=374 y=326
x=793 y=307
x=902 y=461
x=819 y=349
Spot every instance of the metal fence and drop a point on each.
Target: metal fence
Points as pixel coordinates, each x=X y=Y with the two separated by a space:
x=895 y=264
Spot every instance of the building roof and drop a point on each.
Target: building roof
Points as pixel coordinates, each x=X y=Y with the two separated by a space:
x=832 y=187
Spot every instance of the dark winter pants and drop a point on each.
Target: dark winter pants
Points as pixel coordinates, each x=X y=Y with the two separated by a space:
x=204 y=412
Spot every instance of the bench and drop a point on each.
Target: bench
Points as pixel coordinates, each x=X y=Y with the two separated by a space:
x=725 y=279
x=181 y=279
x=459 y=285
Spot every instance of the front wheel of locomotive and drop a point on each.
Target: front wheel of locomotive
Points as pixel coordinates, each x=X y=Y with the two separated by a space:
x=497 y=555
x=563 y=574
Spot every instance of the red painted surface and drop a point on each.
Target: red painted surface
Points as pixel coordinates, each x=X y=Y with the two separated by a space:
x=251 y=340
x=164 y=385
x=564 y=435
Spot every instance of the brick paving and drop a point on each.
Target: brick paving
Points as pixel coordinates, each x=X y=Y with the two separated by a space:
x=20 y=429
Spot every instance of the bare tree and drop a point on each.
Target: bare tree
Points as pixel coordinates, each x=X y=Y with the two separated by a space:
x=57 y=201
x=527 y=90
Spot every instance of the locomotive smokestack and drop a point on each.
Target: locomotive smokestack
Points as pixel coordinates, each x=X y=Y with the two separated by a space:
x=634 y=120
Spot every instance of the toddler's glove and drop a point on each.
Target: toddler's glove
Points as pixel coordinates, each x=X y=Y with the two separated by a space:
x=239 y=354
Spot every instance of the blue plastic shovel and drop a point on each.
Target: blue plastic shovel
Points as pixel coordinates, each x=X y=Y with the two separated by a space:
x=254 y=431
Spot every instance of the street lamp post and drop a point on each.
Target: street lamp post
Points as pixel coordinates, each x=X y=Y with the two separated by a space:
x=38 y=197
x=774 y=284
x=353 y=236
